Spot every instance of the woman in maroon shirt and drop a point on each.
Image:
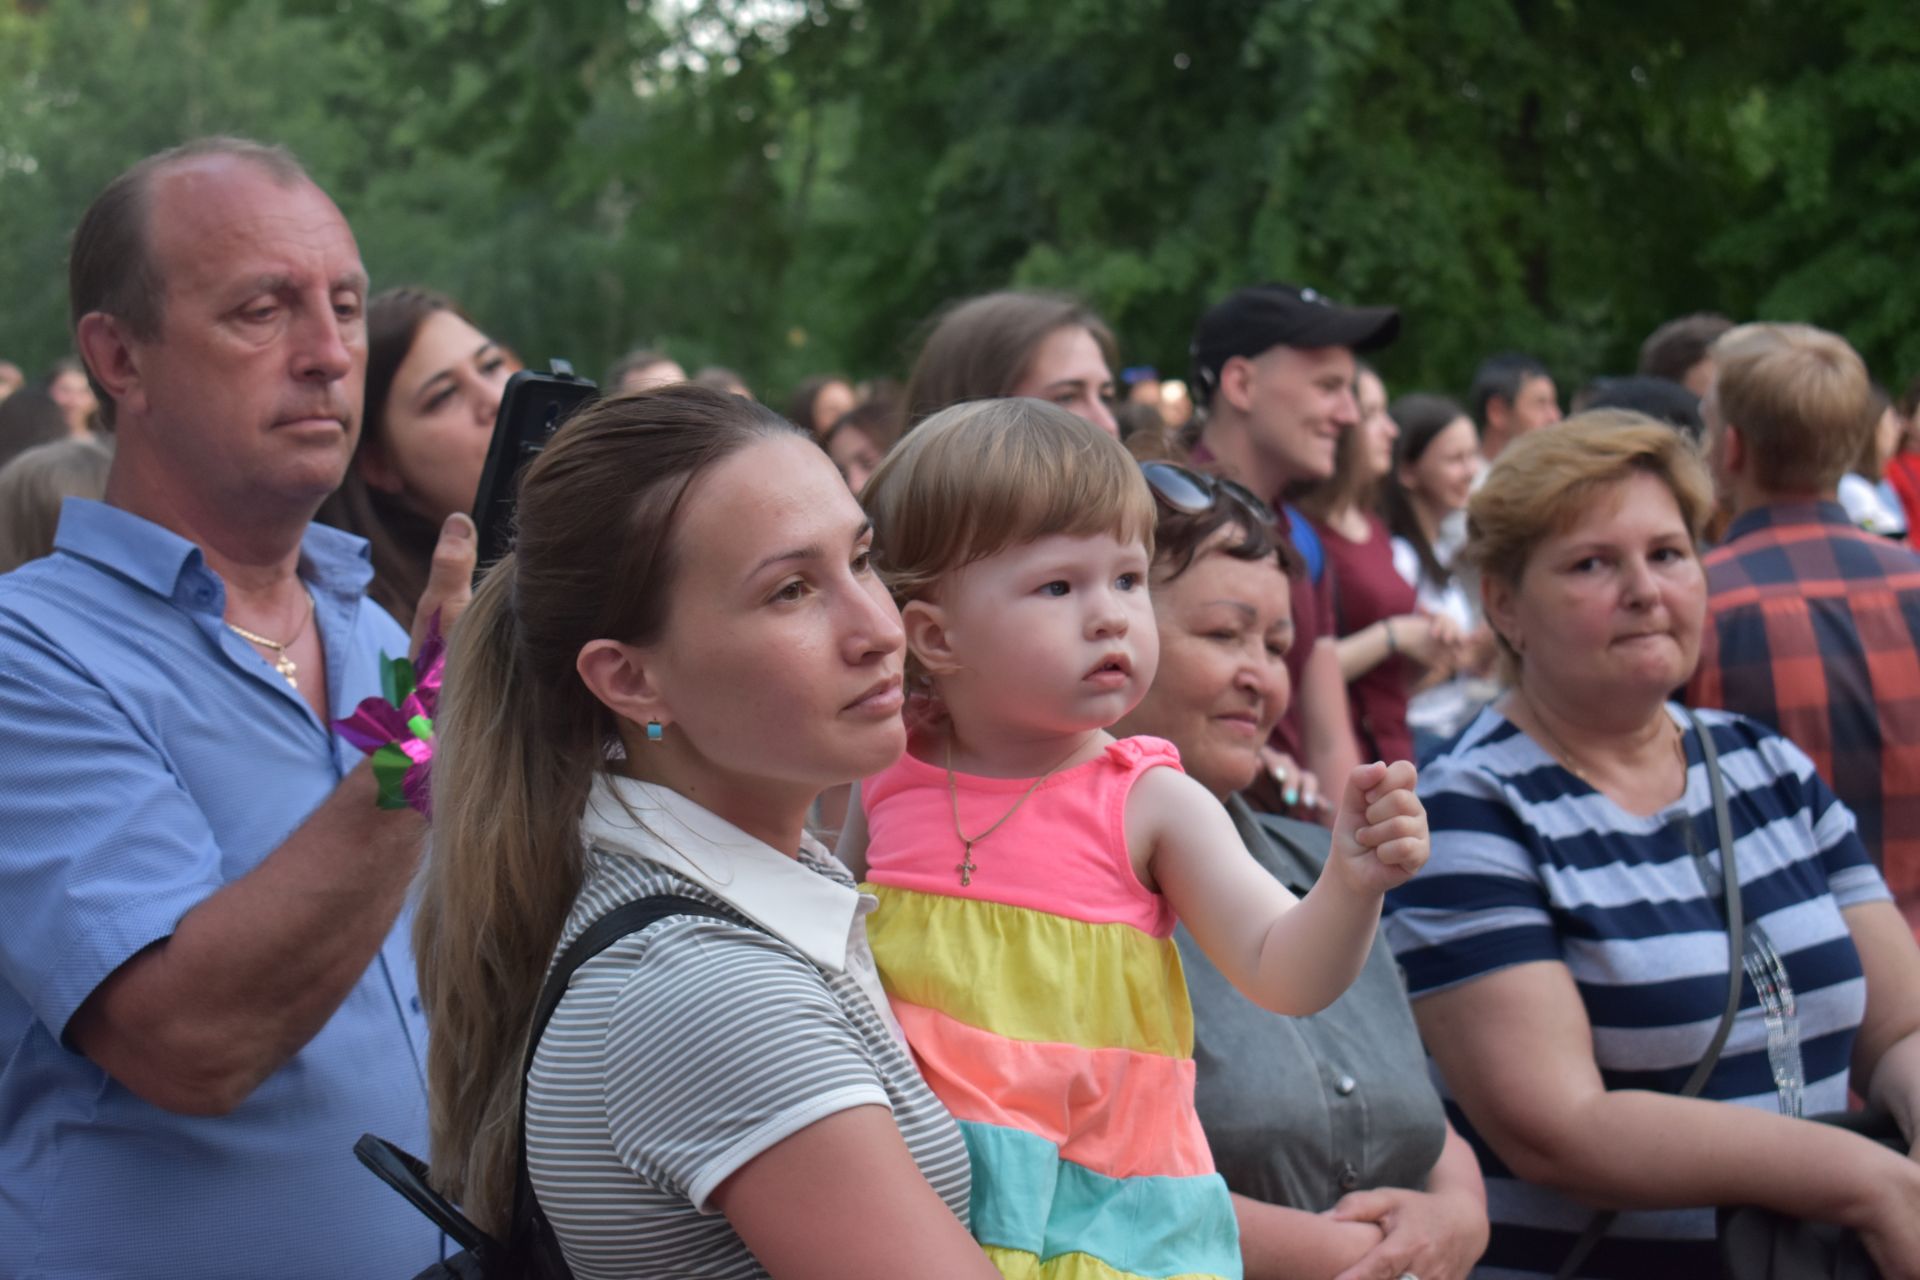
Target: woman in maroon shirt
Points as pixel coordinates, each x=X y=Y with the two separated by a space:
x=1386 y=644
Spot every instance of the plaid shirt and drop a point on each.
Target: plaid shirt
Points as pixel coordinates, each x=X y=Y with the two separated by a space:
x=1813 y=627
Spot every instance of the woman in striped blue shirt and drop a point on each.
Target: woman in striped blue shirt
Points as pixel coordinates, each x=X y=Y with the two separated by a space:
x=1566 y=958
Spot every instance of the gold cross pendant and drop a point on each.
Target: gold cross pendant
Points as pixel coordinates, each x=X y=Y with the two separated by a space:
x=967 y=865
x=288 y=669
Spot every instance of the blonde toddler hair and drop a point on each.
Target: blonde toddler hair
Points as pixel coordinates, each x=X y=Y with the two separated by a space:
x=978 y=478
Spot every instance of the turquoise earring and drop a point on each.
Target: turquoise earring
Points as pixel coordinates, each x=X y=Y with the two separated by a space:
x=654 y=731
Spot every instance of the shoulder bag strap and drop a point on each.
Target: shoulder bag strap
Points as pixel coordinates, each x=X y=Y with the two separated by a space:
x=1736 y=931
x=629 y=918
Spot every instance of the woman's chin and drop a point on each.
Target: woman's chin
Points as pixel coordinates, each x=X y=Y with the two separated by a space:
x=876 y=747
x=1640 y=683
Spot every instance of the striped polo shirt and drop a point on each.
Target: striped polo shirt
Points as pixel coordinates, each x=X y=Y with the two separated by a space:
x=1531 y=863
x=688 y=1048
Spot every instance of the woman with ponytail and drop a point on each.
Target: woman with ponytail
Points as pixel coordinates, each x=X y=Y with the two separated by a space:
x=686 y=646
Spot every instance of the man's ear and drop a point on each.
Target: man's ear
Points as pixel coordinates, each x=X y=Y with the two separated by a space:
x=1499 y=413
x=1236 y=383
x=622 y=678
x=928 y=638
x=1733 y=450
x=108 y=354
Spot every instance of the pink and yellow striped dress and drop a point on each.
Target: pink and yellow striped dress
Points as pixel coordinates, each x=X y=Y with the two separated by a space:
x=1046 y=1006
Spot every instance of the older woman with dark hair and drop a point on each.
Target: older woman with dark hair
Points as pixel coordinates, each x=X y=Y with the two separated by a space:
x=1567 y=949
x=1325 y=1127
x=434 y=383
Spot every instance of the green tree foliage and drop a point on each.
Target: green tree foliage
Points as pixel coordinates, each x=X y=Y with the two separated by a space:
x=793 y=185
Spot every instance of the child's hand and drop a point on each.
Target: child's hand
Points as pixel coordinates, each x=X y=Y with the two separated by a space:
x=1380 y=833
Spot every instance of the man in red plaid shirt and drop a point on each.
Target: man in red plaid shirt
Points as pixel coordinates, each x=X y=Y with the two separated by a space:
x=1813 y=626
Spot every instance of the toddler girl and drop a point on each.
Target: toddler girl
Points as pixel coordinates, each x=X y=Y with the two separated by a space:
x=1030 y=867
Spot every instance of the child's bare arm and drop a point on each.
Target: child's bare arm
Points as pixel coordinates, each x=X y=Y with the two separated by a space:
x=1291 y=957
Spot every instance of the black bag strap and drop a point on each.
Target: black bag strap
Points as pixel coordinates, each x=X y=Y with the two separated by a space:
x=1735 y=914
x=408 y=1175
x=527 y=1230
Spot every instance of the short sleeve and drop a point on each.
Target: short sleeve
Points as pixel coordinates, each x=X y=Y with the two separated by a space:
x=101 y=849
x=1851 y=876
x=1137 y=753
x=1479 y=904
x=721 y=1045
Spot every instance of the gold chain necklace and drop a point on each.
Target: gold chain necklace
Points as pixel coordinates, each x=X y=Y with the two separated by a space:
x=967 y=865
x=287 y=667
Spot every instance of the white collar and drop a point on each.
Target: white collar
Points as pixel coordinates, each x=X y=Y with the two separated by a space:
x=814 y=913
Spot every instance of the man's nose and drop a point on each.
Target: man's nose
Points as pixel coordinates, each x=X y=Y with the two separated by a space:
x=325 y=350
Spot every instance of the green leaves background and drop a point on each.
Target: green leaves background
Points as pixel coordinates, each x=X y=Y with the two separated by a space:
x=787 y=186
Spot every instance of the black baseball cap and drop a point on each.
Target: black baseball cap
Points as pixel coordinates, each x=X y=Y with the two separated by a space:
x=1263 y=316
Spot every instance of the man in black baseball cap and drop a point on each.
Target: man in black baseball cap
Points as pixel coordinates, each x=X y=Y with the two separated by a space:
x=1273 y=374
x=1273 y=367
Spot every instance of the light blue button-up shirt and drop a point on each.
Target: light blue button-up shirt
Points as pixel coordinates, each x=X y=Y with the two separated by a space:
x=149 y=756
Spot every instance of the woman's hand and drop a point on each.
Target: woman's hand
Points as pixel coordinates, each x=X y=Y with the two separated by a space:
x=1299 y=789
x=1380 y=834
x=1890 y=1228
x=1434 y=1237
x=1279 y=1243
x=1428 y=639
x=1447 y=632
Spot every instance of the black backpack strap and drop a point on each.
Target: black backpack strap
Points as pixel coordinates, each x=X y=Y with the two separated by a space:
x=629 y=918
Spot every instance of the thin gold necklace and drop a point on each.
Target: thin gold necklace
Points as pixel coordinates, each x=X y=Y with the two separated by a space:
x=289 y=669
x=1559 y=749
x=967 y=865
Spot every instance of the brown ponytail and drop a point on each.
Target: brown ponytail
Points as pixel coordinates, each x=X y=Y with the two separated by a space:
x=520 y=740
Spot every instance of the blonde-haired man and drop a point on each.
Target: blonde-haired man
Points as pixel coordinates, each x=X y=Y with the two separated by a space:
x=1813 y=626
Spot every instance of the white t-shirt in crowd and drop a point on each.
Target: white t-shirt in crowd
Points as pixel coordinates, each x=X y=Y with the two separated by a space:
x=1446 y=708
x=1872 y=509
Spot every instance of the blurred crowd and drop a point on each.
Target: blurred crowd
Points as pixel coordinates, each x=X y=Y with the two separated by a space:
x=1652 y=643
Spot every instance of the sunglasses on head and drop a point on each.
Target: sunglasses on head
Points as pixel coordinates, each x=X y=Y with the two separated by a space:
x=1192 y=492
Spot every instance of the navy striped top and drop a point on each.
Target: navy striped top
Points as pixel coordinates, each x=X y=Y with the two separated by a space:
x=1531 y=863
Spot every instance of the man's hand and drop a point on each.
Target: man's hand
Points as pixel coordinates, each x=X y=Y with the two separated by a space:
x=450 y=581
x=1380 y=834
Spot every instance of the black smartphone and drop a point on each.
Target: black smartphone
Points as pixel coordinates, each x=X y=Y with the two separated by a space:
x=531 y=410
